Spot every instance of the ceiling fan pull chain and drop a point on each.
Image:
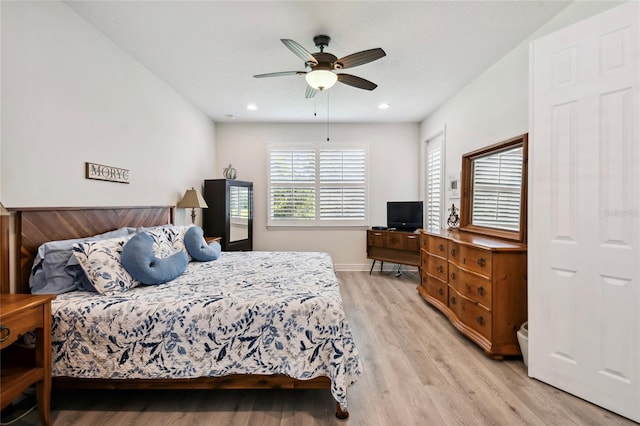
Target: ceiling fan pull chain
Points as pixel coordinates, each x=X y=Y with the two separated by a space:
x=327 y=116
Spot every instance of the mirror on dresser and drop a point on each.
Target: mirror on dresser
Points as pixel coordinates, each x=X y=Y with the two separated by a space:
x=238 y=213
x=494 y=190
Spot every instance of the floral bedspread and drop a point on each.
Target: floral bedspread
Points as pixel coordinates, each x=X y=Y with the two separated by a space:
x=245 y=313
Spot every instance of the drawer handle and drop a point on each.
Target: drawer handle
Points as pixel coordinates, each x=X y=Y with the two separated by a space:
x=441 y=247
x=440 y=291
x=453 y=300
x=377 y=235
x=440 y=269
x=481 y=291
x=5 y=332
x=411 y=237
x=453 y=252
x=481 y=262
x=480 y=320
x=453 y=275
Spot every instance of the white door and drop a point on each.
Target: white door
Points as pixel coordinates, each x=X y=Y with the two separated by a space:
x=584 y=210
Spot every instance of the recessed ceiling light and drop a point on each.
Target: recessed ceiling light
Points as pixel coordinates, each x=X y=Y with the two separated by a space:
x=384 y=105
x=252 y=107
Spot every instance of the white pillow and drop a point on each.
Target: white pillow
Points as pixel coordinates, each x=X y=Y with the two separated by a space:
x=101 y=261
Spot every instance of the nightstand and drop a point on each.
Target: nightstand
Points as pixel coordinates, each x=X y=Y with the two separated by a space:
x=21 y=367
x=217 y=239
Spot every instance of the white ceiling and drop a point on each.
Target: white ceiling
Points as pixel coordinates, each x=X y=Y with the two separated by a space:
x=208 y=51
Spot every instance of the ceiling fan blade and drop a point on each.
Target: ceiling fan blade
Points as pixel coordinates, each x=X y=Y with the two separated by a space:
x=279 y=74
x=358 y=82
x=310 y=92
x=360 y=58
x=299 y=51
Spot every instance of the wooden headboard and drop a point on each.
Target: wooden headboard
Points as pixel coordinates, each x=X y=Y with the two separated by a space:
x=39 y=225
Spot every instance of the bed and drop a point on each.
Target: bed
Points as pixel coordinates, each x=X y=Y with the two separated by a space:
x=245 y=320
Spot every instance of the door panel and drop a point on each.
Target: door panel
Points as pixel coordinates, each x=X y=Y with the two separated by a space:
x=584 y=228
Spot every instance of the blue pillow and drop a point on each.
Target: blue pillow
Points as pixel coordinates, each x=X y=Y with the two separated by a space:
x=138 y=259
x=197 y=246
x=55 y=269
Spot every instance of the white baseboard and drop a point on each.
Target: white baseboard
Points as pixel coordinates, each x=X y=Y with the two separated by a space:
x=352 y=266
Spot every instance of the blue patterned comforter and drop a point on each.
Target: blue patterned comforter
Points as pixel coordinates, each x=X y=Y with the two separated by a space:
x=245 y=313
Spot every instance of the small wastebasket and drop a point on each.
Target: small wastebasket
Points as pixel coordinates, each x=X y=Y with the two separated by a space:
x=523 y=341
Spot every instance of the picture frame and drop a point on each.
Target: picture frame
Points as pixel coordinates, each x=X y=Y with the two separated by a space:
x=453 y=185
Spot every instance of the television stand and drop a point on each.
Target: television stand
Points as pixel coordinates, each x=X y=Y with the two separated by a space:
x=400 y=247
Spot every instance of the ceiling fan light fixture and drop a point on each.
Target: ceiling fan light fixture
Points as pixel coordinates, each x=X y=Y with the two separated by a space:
x=321 y=79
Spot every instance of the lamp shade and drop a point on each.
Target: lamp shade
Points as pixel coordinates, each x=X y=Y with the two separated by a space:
x=321 y=79
x=192 y=199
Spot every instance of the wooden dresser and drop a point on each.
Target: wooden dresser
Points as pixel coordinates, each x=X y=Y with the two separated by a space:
x=479 y=283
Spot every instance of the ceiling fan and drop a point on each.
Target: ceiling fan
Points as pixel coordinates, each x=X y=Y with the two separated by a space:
x=320 y=66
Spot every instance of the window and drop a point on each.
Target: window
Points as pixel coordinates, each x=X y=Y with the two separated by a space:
x=434 y=203
x=317 y=185
x=496 y=190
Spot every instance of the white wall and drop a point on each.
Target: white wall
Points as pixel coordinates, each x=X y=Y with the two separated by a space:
x=495 y=106
x=393 y=171
x=70 y=95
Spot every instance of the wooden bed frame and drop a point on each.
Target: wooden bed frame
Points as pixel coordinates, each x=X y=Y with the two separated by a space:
x=36 y=226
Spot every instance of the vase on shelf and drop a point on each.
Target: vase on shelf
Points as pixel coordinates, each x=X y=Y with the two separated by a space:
x=230 y=172
x=453 y=220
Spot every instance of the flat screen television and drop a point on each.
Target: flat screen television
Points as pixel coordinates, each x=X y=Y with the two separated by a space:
x=404 y=215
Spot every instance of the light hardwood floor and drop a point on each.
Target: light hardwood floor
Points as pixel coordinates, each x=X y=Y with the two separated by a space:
x=418 y=370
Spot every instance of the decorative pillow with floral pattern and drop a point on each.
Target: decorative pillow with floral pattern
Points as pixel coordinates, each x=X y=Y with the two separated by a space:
x=168 y=239
x=101 y=261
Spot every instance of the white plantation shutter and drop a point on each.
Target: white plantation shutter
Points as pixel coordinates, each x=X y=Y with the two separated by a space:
x=292 y=176
x=342 y=184
x=434 y=194
x=497 y=189
x=317 y=185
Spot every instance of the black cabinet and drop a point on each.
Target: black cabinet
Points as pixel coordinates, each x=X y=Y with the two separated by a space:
x=230 y=213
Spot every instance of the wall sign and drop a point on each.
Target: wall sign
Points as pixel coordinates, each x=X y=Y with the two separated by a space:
x=108 y=173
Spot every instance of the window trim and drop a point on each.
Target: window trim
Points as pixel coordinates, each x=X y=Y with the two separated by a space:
x=317 y=222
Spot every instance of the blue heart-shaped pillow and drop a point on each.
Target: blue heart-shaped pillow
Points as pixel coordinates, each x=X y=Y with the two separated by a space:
x=198 y=247
x=140 y=261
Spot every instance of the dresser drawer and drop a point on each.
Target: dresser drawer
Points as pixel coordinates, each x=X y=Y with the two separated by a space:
x=470 y=313
x=424 y=239
x=468 y=284
x=376 y=239
x=20 y=323
x=437 y=246
x=437 y=267
x=436 y=288
x=453 y=252
x=395 y=240
x=476 y=260
x=412 y=242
